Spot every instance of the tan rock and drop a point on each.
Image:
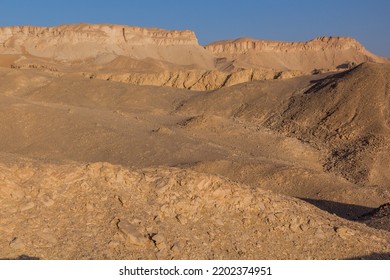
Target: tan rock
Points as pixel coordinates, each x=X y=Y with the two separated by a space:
x=131 y=233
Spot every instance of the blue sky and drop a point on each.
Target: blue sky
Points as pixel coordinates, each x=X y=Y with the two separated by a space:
x=296 y=20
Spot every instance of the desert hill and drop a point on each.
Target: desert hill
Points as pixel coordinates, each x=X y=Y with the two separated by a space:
x=345 y=114
x=72 y=118
x=320 y=53
x=349 y=114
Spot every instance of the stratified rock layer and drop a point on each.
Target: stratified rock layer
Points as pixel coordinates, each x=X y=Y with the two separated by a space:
x=86 y=41
x=319 y=53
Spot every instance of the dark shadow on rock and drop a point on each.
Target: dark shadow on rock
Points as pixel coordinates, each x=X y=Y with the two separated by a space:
x=343 y=210
x=331 y=76
x=373 y=256
x=348 y=65
x=380 y=212
x=23 y=257
x=378 y=218
x=330 y=80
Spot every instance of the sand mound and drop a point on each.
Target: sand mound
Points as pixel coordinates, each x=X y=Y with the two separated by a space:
x=102 y=211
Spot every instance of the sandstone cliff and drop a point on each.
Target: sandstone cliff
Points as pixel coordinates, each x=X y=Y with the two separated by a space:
x=322 y=52
x=84 y=41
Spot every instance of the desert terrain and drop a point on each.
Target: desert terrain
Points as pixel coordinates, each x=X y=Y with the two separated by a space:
x=121 y=142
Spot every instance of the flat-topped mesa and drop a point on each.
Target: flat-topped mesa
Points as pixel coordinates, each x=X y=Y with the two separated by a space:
x=82 y=41
x=320 y=53
x=243 y=45
x=86 y=32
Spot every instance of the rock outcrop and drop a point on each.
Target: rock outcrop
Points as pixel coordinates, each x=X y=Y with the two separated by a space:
x=322 y=52
x=200 y=80
x=86 y=41
x=94 y=32
x=244 y=45
x=103 y=211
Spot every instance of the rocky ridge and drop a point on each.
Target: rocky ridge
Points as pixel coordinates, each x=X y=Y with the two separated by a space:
x=73 y=43
x=96 y=32
x=322 y=52
x=243 y=45
x=347 y=113
x=198 y=80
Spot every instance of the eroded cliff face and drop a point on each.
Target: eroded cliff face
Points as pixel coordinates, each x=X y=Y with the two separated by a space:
x=244 y=45
x=98 y=33
x=322 y=52
x=198 y=80
x=85 y=41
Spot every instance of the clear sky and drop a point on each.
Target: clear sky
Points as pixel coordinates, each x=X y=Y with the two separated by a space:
x=368 y=21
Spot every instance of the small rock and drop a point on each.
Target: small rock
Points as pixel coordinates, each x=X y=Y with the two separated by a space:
x=48 y=236
x=304 y=227
x=16 y=244
x=344 y=232
x=163 y=130
x=177 y=247
x=294 y=227
x=27 y=206
x=10 y=209
x=89 y=207
x=162 y=255
x=12 y=191
x=320 y=233
x=271 y=219
x=46 y=200
x=131 y=233
x=113 y=244
x=160 y=241
x=294 y=224
x=181 y=219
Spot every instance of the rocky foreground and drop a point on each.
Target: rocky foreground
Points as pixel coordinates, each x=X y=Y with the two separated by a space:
x=103 y=211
